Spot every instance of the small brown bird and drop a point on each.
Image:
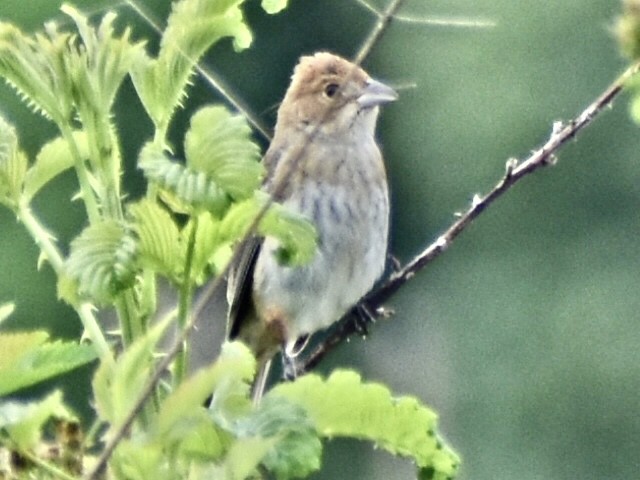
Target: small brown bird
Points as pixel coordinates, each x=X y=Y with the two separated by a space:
x=324 y=163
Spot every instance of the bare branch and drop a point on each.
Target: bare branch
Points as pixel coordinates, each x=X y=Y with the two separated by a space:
x=430 y=20
x=379 y=28
x=515 y=170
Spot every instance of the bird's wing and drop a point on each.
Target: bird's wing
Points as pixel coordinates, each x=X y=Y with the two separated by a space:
x=240 y=280
x=240 y=284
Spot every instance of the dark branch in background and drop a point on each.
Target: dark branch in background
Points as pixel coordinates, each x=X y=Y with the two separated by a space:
x=384 y=19
x=431 y=20
x=515 y=171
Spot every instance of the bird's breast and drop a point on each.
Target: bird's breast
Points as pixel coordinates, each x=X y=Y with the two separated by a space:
x=345 y=195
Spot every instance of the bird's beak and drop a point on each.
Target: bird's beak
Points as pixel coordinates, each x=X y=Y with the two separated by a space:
x=376 y=93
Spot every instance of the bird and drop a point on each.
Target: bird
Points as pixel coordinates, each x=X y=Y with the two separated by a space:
x=325 y=164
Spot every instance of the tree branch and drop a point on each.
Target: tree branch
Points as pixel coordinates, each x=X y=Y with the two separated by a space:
x=515 y=171
x=384 y=19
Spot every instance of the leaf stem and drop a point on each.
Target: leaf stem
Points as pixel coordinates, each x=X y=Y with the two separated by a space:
x=184 y=304
x=44 y=241
x=88 y=195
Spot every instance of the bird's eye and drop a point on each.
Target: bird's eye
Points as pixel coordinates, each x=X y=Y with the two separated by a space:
x=331 y=89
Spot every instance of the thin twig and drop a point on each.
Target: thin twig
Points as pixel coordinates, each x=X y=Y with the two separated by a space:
x=379 y=28
x=515 y=171
x=430 y=20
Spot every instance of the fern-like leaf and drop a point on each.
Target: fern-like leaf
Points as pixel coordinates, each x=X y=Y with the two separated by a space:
x=192 y=189
x=13 y=166
x=102 y=260
x=35 y=67
x=343 y=405
x=192 y=27
x=219 y=144
x=159 y=242
x=27 y=358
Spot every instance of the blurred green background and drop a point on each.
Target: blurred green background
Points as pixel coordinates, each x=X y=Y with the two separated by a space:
x=525 y=335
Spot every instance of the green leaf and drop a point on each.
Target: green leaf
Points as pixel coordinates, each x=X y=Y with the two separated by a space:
x=297 y=451
x=102 y=260
x=54 y=158
x=184 y=422
x=118 y=385
x=13 y=165
x=24 y=421
x=274 y=6
x=634 y=106
x=296 y=234
x=35 y=67
x=219 y=144
x=244 y=457
x=133 y=460
x=234 y=365
x=26 y=358
x=192 y=189
x=183 y=434
x=100 y=65
x=211 y=252
x=343 y=405
x=6 y=309
x=158 y=238
x=192 y=27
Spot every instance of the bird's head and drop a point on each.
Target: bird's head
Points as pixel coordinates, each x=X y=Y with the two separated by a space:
x=333 y=95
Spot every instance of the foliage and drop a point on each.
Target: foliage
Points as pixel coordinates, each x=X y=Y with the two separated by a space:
x=183 y=230
x=627 y=30
x=28 y=358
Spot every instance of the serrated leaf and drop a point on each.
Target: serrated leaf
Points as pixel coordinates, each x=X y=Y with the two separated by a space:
x=35 y=67
x=24 y=421
x=158 y=238
x=192 y=27
x=102 y=260
x=116 y=386
x=194 y=189
x=100 y=65
x=53 y=159
x=219 y=144
x=26 y=358
x=297 y=451
x=274 y=6
x=13 y=165
x=343 y=405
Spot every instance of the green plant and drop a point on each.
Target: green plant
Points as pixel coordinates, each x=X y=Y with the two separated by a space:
x=183 y=229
